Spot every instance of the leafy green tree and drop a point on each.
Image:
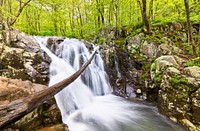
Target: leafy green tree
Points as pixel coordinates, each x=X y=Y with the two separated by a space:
x=10 y=11
x=145 y=18
x=189 y=26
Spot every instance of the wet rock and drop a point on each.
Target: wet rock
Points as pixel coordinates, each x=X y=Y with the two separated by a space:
x=120 y=88
x=139 y=94
x=190 y=125
x=53 y=42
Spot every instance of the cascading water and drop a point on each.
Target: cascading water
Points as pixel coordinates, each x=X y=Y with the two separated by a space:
x=117 y=65
x=87 y=104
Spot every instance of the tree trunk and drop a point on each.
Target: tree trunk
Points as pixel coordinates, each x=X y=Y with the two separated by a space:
x=81 y=21
x=144 y=15
x=19 y=108
x=189 y=26
x=151 y=10
x=102 y=13
x=130 y=12
x=1 y=14
x=99 y=13
x=71 y=23
x=19 y=12
x=199 y=39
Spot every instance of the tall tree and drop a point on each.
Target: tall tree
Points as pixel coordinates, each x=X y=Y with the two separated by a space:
x=145 y=18
x=9 y=13
x=1 y=14
x=189 y=26
x=1 y=23
x=22 y=5
x=100 y=12
x=151 y=9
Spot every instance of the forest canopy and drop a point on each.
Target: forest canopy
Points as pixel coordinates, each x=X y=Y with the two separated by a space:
x=84 y=18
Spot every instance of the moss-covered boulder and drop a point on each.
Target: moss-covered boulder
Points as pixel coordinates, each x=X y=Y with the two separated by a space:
x=177 y=89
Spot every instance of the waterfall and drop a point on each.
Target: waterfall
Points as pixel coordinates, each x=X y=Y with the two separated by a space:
x=117 y=65
x=87 y=104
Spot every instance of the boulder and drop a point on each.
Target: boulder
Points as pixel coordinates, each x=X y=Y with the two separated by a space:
x=135 y=41
x=177 y=26
x=24 y=59
x=178 y=89
x=14 y=89
x=168 y=48
x=163 y=62
x=193 y=71
x=149 y=49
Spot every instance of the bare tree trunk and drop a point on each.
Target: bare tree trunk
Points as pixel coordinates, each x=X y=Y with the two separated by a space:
x=71 y=23
x=85 y=10
x=19 y=108
x=151 y=10
x=19 y=12
x=102 y=12
x=144 y=15
x=81 y=22
x=199 y=39
x=1 y=14
x=110 y=14
x=199 y=35
x=189 y=26
x=130 y=12
x=98 y=7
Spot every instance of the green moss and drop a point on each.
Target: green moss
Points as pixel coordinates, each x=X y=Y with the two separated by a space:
x=153 y=38
x=119 y=43
x=135 y=32
x=158 y=75
x=158 y=79
x=177 y=80
x=187 y=48
x=194 y=62
x=101 y=40
x=153 y=66
x=180 y=83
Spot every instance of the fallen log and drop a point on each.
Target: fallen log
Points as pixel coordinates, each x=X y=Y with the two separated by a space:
x=19 y=108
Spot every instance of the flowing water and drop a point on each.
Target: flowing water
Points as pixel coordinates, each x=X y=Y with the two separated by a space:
x=117 y=65
x=87 y=104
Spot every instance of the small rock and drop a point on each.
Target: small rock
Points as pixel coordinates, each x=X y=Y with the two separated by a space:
x=138 y=91
x=189 y=124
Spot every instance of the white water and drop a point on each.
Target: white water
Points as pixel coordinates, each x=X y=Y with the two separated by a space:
x=117 y=65
x=87 y=104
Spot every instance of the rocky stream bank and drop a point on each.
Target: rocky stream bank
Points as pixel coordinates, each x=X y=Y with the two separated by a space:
x=152 y=68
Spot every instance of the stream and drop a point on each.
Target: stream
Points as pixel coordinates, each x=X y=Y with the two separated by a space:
x=88 y=103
